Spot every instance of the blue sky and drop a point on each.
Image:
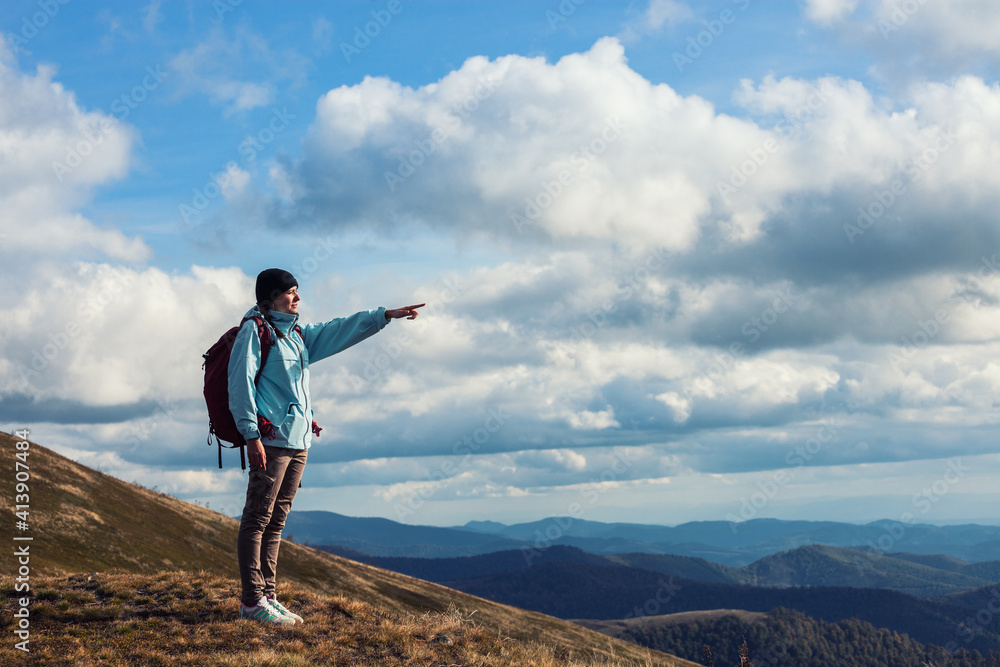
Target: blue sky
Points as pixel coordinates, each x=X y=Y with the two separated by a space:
x=683 y=261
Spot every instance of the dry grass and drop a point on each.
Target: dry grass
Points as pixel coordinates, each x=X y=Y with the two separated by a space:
x=182 y=618
x=86 y=521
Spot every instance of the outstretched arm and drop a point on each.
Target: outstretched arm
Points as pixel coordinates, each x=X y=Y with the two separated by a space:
x=326 y=338
x=409 y=312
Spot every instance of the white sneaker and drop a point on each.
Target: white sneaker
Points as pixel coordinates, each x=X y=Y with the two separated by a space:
x=283 y=610
x=265 y=613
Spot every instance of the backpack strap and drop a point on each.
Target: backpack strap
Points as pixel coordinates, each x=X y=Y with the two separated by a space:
x=266 y=343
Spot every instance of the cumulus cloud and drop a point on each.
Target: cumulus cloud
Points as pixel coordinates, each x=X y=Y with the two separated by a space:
x=676 y=291
x=586 y=151
x=583 y=149
x=52 y=153
x=90 y=345
x=914 y=40
x=239 y=73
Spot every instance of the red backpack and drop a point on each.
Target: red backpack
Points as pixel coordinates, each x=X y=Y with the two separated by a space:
x=221 y=423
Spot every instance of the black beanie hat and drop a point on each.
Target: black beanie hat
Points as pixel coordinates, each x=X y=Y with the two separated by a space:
x=271 y=283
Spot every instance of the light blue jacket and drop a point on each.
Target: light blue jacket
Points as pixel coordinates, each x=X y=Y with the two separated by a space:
x=282 y=394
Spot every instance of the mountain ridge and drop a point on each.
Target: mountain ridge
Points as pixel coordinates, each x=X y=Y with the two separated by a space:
x=84 y=521
x=723 y=542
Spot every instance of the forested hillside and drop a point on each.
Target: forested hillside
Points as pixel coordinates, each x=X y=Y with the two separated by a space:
x=786 y=638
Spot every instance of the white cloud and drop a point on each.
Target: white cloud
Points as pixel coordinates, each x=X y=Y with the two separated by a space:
x=586 y=334
x=829 y=11
x=680 y=405
x=960 y=27
x=52 y=153
x=239 y=73
x=580 y=149
x=322 y=35
x=913 y=41
x=591 y=420
x=667 y=11
x=151 y=16
x=103 y=335
x=587 y=151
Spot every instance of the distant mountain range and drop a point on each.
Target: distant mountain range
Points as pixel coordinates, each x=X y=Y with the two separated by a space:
x=812 y=566
x=816 y=580
x=823 y=605
x=92 y=532
x=924 y=585
x=722 y=542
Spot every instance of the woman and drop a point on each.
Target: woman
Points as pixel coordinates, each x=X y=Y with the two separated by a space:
x=276 y=410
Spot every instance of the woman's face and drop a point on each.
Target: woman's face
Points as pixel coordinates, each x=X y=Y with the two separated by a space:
x=288 y=302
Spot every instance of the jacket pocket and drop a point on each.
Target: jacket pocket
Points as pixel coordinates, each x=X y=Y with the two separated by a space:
x=296 y=425
x=275 y=414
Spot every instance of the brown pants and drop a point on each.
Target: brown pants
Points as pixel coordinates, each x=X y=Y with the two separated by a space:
x=269 y=498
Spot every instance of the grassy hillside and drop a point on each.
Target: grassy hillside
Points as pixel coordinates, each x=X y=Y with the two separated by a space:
x=177 y=617
x=86 y=522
